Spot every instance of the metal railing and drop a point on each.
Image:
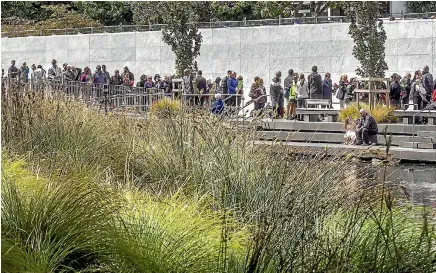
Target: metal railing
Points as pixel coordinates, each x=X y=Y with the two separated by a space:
x=431 y=105
x=113 y=97
x=205 y=25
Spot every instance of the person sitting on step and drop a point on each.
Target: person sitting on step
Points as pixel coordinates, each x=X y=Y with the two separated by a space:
x=367 y=127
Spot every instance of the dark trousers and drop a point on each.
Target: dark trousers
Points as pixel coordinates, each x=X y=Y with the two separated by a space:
x=417 y=101
x=301 y=103
x=362 y=135
x=231 y=101
x=405 y=101
x=258 y=107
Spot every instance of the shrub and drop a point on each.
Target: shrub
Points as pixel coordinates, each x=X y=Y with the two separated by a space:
x=165 y=108
x=381 y=113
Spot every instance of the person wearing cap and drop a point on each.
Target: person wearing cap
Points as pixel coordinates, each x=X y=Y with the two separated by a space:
x=367 y=127
x=116 y=79
x=142 y=81
x=54 y=72
x=217 y=106
x=23 y=73
x=128 y=77
x=277 y=95
x=13 y=70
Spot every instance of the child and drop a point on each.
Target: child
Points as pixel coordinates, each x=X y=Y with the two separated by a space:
x=239 y=90
x=350 y=131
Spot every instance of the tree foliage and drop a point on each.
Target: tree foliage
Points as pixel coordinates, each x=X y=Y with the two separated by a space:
x=106 y=12
x=421 y=6
x=369 y=37
x=181 y=33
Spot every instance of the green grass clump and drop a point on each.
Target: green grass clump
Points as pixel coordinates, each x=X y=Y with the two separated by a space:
x=381 y=113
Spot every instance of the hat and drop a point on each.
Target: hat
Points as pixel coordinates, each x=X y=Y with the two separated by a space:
x=218 y=96
x=24 y=63
x=39 y=66
x=126 y=68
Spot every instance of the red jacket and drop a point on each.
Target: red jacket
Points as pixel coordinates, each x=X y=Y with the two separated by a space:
x=434 y=96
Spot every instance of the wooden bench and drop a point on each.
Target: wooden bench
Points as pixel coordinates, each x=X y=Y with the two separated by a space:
x=407 y=116
x=317 y=102
x=311 y=114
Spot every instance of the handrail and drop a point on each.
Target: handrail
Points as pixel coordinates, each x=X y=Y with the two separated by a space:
x=205 y=25
x=431 y=104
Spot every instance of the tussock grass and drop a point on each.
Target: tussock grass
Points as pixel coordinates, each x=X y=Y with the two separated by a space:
x=381 y=113
x=195 y=193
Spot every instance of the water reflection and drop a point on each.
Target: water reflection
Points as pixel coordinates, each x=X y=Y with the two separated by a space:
x=418 y=179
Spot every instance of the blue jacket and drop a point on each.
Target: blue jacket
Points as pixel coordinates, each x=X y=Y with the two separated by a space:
x=232 y=84
x=327 y=89
x=217 y=106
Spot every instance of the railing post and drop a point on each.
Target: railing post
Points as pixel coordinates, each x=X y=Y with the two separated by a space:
x=245 y=21
x=280 y=19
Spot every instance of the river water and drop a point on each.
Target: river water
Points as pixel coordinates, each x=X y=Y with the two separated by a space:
x=418 y=179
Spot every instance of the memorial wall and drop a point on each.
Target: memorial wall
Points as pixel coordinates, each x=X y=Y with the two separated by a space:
x=250 y=51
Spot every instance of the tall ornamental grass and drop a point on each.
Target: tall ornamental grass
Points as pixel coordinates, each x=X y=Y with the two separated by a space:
x=197 y=193
x=381 y=113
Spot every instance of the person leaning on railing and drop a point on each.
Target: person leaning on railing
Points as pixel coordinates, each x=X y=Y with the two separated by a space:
x=116 y=79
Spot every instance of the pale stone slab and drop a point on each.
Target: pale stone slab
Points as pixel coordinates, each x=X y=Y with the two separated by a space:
x=232 y=51
x=283 y=34
x=391 y=29
x=151 y=53
x=148 y=68
x=413 y=63
x=99 y=41
x=392 y=62
x=255 y=35
x=255 y=67
x=415 y=29
x=18 y=56
x=223 y=65
x=123 y=40
x=391 y=47
x=167 y=54
x=283 y=65
x=206 y=36
x=411 y=46
x=13 y=44
x=100 y=54
x=343 y=65
x=340 y=32
x=149 y=38
x=340 y=48
x=226 y=36
x=123 y=54
x=321 y=32
x=60 y=55
x=35 y=43
x=78 y=55
x=205 y=66
x=315 y=49
x=206 y=52
x=55 y=43
x=254 y=51
x=167 y=68
x=78 y=41
x=284 y=50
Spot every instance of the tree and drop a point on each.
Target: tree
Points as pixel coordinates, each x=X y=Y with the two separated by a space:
x=369 y=37
x=181 y=34
x=106 y=12
x=421 y=6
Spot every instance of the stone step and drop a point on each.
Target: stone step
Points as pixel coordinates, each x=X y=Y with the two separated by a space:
x=427 y=134
x=426 y=145
x=408 y=144
x=332 y=137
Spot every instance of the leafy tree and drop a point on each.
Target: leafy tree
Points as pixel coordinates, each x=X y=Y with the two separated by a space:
x=181 y=34
x=106 y=12
x=28 y=10
x=369 y=37
x=421 y=6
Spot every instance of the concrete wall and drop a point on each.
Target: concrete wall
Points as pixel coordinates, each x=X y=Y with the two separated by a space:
x=253 y=51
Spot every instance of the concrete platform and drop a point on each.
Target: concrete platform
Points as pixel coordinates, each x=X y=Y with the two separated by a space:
x=366 y=152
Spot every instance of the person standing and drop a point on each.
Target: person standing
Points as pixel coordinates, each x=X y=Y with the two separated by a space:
x=23 y=73
x=86 y=76
x=291 y=111
x=240 y=90
x=302 y=94
x=106 y=73
x=406 y=87
x=99 y=77
x=54 y=72
x=200 y=88
x=327 y=89
x=314 y=82
x=232 y=84
x=342 y=90
x=427 y=83
x=32 y=74
x=367 y=127
x=395 y=91
x=277 y=96
x=116 y=79
x=128 y=77
x=141 y=82
x=416 y=83
x=224 y=86
x=13 y=71
x=289 y=79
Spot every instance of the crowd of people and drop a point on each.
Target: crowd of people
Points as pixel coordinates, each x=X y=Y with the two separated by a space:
x=295 y=89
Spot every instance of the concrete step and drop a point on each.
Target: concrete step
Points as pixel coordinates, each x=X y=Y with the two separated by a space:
x=332 y=137
x=427 y=134
x=426 y=145
x=407 y=144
